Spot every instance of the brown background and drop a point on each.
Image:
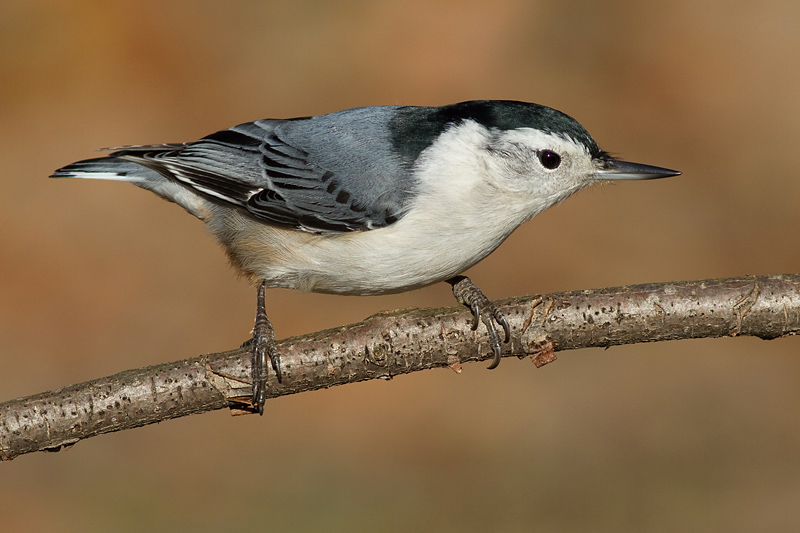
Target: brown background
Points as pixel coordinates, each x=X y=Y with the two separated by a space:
x=98 y=277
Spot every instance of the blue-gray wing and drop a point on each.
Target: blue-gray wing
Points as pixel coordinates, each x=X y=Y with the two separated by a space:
x=330 y=173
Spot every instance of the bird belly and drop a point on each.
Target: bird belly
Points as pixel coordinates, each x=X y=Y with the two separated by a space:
x=407 y=255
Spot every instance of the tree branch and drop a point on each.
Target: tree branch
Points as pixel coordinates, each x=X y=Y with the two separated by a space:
x=400 y=342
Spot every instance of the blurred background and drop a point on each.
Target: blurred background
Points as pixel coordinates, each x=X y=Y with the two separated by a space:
x=98 y=277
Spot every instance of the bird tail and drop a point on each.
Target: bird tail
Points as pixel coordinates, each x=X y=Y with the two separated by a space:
x=116 y=168
x=103 y=168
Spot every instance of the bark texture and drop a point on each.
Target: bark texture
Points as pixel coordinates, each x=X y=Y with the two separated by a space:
x=400 y=342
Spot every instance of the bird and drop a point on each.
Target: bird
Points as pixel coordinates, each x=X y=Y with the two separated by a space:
x=370 y=200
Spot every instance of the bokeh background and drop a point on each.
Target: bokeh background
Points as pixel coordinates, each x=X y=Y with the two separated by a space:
x=98 y=277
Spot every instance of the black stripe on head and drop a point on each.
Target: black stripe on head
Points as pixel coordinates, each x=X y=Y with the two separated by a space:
x=413 y=129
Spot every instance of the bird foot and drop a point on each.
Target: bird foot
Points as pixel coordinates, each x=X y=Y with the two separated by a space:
x=263 y=347
x=483 y=310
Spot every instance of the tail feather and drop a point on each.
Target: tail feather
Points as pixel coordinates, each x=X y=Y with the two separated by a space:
x=117 y=169
x=106 y=168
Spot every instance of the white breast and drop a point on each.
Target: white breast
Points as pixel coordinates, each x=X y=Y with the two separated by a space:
x=459 y=217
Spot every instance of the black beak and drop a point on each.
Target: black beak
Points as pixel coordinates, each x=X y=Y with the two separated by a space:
x=614 y=169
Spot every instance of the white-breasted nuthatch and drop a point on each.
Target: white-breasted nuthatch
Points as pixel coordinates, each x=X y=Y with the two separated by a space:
x=371 y=200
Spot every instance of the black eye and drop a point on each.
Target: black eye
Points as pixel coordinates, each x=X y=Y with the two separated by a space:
x=549 y=159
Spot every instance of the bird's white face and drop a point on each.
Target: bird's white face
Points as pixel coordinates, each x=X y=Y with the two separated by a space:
x=543 y=167
x=508 y=176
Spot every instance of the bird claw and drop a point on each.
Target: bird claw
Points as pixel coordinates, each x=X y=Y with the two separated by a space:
x=263 y=348
x=483 y=310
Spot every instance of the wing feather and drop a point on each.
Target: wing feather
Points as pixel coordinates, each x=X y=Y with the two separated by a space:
x=282 y=175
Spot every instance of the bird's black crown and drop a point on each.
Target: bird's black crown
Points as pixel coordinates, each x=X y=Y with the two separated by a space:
x=415 y=128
